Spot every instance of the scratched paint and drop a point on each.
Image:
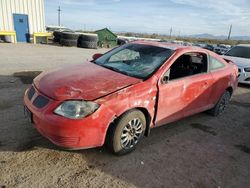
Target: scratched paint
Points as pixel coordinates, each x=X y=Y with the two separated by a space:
x=117 y=93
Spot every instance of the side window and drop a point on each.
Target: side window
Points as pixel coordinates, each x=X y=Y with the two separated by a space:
x=215 y=64
x=125 y=55
x=188 y=64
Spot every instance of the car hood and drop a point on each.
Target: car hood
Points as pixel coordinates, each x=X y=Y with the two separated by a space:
x=240 y=62
x=86 y=81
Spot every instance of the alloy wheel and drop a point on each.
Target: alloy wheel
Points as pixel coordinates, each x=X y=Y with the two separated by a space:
x=131 y=133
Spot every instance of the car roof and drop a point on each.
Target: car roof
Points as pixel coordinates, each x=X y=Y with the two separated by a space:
x=170 y=46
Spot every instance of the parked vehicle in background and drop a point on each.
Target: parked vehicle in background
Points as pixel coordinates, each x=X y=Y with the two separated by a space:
x=221 y=49
x=121 y=41
x=120 y=95
x=201 y=45
x=188 y=44
x=209 y=47
x=240 y=55
x=179 y=42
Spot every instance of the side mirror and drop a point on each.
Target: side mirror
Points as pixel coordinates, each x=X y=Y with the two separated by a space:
x=165 y=79
x=96 y=56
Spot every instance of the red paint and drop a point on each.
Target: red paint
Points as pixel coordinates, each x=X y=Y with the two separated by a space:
x=83 y=81
x=117 y=93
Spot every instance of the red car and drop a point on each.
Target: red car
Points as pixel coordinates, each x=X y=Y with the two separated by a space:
x=119 y=96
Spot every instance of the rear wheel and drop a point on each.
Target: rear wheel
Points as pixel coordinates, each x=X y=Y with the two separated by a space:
x=221 y=105
x=126 y=133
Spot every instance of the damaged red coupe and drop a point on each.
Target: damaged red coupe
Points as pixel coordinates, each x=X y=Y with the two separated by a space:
x=119 y=96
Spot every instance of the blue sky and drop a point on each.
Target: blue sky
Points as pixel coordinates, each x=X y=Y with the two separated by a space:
x=153 y=16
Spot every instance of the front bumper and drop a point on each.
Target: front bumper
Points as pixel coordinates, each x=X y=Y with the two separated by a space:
x=68 y=133
x=244 y=77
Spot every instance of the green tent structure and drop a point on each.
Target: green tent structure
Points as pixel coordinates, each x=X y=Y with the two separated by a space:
x=106 y=38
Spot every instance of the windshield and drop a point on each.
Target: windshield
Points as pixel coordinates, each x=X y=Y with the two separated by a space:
x=239 y=51
x=136 y=60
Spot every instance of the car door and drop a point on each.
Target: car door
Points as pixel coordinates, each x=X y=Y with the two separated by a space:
x=170 y=101
x=197 y=94
x=183 y=95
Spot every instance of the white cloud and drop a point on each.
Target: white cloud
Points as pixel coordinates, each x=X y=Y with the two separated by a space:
x=225 y=7
x=87 y=2
x=185 y=16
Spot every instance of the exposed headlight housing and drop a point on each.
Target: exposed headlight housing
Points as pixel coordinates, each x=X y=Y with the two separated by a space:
x=76 y=109
x=247 y=69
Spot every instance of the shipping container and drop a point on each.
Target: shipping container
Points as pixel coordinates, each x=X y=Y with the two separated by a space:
x=106 y=38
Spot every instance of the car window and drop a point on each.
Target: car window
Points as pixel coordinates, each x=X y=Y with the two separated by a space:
x=136 y=60
x=215 y=64
x=239 y=51
x=188 y=64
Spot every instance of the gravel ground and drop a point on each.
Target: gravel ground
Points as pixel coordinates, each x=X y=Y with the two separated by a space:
x=38 y=57
x=200 y=151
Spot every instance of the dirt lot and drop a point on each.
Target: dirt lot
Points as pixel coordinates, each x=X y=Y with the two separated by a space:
x=199 y=151
x=40 y=57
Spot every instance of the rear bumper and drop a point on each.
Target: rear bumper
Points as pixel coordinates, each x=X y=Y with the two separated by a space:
x=73 y=134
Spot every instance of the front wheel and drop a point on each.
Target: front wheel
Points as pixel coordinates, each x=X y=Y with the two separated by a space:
x=221 y=105
x=126 y=133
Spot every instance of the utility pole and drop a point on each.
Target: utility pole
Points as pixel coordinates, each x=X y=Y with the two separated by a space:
x=59 y=16
x=170 y=34
x=229 y=34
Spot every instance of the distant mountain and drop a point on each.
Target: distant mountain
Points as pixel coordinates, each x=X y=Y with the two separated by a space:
x=209 y=36
x=240 y=37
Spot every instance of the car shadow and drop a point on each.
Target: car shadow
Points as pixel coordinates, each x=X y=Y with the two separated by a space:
x=247 y=86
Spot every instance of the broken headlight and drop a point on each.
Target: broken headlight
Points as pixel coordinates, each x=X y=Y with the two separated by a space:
x=76 y=109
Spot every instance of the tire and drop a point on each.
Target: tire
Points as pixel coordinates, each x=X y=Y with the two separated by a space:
x=125 y=134
x=221 y=105
x=87 y=44
x=69 y=36
x=89 y=38
x=68 y=42
x=57 y=36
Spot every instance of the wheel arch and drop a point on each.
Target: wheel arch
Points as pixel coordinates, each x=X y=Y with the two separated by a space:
x=230 y=90
x=148 y=119
x=142 y=109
